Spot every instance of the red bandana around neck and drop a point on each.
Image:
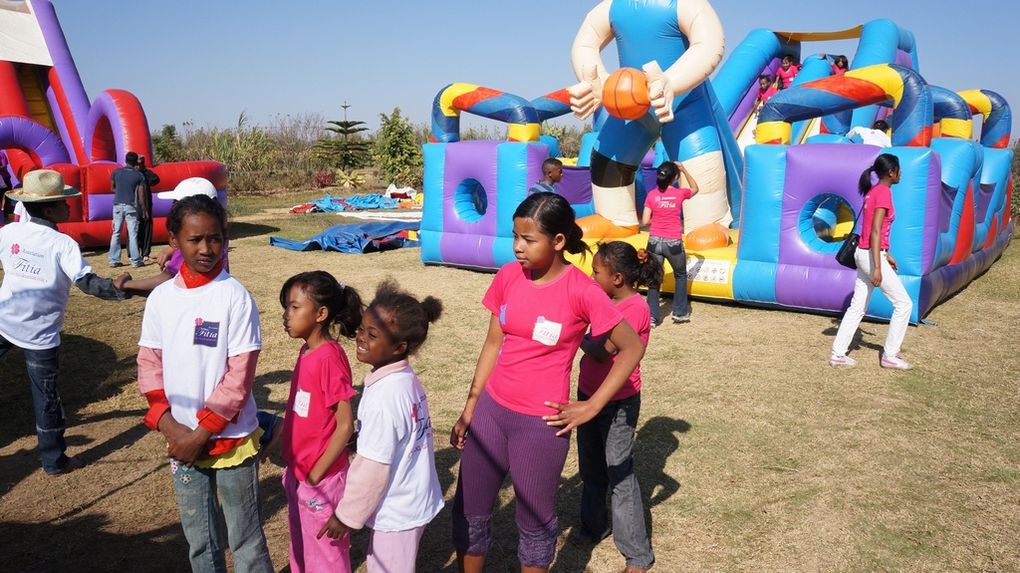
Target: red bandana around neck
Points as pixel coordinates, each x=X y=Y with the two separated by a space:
x=193 y=279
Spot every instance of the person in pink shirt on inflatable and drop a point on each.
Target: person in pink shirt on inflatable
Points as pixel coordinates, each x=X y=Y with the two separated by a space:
x=664 y=215
x=786 y=73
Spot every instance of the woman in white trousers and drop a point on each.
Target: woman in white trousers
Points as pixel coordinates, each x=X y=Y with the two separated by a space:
x=876 y=268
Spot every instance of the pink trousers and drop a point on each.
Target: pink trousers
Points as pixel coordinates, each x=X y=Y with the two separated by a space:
x=308 y=509
x=394 y=551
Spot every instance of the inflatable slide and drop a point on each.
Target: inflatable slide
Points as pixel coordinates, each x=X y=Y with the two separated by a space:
x=47 y=120
x=790 y=174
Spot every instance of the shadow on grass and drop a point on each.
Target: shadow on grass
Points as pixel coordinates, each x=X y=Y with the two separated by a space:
x=89 y=372
x=73 y=544
x=244 y=230
x=857 y=343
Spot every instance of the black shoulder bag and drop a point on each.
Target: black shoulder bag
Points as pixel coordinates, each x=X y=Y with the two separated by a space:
x=845 y=255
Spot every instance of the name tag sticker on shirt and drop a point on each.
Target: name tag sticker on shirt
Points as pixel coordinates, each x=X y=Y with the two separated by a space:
x=206 y=333
x=301 y=402
x=546 y=332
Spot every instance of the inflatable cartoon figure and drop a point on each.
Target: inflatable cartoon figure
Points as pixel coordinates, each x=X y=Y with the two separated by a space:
x=684 y=38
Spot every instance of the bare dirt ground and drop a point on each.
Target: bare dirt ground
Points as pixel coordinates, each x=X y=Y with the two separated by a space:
x=752 y=452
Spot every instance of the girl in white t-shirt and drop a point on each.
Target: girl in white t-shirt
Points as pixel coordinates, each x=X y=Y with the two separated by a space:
x=392 y=485
x=196 y=366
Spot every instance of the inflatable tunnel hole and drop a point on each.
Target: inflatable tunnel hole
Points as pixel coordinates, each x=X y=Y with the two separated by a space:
x=825 y=219
x=104 y=147
x=470 y=201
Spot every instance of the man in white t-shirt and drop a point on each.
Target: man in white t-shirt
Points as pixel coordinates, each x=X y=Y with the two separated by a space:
x=878 y=135
x=40 y=264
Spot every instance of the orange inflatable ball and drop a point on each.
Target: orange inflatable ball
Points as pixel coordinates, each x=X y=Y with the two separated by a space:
x=625 y=94
x=713 y=236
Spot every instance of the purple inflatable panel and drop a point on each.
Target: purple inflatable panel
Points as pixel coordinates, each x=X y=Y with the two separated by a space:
x=23 y=133
x=469 y=242
x=576 y=185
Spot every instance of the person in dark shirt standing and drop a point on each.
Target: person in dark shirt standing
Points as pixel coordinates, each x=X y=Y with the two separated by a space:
x=128 y=185
x=552 y=173
x=145 y=215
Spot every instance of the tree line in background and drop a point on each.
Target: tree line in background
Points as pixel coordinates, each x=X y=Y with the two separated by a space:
x=306 y=150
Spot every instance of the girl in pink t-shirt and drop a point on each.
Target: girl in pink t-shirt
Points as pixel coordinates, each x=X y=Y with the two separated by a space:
x=605 y=445
x=876 y=267
x=319 y=421
x=840 y=65
x=786 y=73
x=664 y=216
x=518 y=416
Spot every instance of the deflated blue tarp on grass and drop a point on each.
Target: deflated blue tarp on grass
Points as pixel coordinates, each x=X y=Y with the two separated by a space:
x=355 y=238
x=329 y=204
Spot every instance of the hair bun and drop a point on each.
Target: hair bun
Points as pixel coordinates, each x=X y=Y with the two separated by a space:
x=432 y=307
x=642 y=256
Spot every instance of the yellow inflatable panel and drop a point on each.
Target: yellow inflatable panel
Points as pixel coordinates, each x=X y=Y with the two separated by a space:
x=709 y=272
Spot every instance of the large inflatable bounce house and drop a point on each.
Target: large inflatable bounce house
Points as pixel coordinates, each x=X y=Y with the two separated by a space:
x=778 y=182
x=47 y=121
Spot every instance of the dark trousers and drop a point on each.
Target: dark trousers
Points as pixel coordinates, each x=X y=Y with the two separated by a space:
x=605 y=459
x=671 y=250
x=145 y=237
x=42 y=366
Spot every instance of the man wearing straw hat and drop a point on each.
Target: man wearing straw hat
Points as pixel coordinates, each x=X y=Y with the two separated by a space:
x=40 y=263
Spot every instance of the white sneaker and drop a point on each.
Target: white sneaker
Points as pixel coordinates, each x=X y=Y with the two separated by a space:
x=897 y=362
x=680 y=319
x=841 y=360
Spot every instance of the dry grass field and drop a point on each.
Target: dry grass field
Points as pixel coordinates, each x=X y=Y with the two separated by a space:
x=753 y=454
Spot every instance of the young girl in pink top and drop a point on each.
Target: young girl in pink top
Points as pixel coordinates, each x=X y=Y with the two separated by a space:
x=393 y=487
x=766 y=89
x=605 y=445
x=518 y=416
x=319 y=422
x=876 y=267
x=664 y=215
x=786 y=73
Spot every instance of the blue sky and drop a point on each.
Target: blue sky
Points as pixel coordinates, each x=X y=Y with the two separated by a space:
x=206 y=61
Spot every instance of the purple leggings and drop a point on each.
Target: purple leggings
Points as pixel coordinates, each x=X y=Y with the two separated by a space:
x=501 y=441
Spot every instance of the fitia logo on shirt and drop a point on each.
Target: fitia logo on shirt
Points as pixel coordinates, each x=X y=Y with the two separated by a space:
x=15 y=249
x=502 y=314
x=206 y=333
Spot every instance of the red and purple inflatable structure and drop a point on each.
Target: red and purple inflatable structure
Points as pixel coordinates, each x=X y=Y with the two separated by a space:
x=47 y=121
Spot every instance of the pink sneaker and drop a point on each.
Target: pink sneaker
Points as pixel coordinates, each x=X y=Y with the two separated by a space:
x=841 y=360
x=896 y=362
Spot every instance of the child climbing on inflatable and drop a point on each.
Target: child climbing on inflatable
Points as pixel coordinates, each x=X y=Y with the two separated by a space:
x=786 y=73
x=197 y=354
x=319 y=421
x=876 y=267
x=392 y=486
x=766 y=89
x=518 y=414
x=605 y=445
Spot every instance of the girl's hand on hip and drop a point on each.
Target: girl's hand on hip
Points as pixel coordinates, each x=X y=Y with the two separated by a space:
x=570 y=416
x=892 y=262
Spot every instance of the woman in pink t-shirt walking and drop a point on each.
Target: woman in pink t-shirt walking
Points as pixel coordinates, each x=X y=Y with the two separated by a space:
x=876 y=267
x=664 y=215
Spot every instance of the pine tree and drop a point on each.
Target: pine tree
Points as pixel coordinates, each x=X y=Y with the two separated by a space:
x=344 y=148
x=397 y=153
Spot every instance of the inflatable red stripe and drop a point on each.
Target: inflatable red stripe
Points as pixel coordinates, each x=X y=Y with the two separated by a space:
x=965 y=234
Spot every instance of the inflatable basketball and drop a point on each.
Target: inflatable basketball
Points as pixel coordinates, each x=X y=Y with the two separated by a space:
x=625 y=94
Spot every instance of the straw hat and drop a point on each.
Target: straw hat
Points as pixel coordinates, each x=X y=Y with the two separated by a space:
x=43 y=185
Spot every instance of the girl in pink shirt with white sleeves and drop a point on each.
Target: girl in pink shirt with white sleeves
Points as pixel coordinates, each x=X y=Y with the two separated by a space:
x=518 y=414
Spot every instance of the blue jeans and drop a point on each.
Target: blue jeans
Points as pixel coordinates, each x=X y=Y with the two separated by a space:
x=605 y=459
x=42 y=366
x=208 y=499
x=122 y=213
x=673 y=251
